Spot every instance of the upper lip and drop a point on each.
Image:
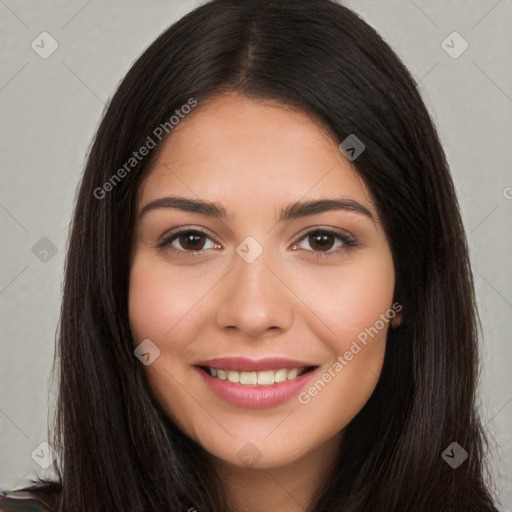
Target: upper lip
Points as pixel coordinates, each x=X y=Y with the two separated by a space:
x=246 y=364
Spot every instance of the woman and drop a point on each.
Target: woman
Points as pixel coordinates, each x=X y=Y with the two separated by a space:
x=268 y=301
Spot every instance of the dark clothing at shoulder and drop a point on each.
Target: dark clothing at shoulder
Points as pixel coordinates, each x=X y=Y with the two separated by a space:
x=13 y=503
x=33 y=499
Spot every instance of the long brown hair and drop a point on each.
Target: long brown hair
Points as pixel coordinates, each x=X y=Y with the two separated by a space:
x=118 y=451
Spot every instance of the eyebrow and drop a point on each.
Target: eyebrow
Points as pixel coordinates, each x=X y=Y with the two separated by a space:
x=292 y=211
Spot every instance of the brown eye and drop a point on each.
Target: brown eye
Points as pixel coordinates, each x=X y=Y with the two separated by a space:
x=321 y=241
x=192 y=240
x=187 y=241
x=324 y=243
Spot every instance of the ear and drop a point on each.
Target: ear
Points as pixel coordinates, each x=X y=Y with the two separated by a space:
x=397 y=320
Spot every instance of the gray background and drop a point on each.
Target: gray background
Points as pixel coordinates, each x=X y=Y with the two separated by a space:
x=51 y=107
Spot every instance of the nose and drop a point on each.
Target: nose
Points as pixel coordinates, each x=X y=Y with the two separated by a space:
x=255 y=300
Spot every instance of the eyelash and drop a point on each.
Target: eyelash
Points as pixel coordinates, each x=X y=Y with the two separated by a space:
x=167 y=239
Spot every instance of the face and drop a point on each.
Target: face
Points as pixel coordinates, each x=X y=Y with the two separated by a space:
x=265 y=291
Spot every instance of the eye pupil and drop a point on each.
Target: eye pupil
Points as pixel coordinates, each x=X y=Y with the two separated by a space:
x=321 y=240
x=191 y=241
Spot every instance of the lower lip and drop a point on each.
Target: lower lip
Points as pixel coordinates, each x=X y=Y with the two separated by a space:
x=256 y=397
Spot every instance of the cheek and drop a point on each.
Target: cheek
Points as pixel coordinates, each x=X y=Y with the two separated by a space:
x=162 y=301
x=351 y=301
x=148 y=305
x=163 y=307
x=355 y=310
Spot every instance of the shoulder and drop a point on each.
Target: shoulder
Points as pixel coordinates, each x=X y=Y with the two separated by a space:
x=32 y=499
x=22 y=501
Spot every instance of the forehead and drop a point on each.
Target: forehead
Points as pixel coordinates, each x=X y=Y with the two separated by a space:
x=234 y=149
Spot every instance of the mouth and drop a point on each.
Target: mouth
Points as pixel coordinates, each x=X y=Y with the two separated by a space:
x=255 y=384
x=257 y=378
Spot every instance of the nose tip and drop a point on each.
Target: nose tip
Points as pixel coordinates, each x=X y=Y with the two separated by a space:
x=254 y=329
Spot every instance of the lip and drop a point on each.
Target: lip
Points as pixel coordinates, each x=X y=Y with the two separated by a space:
x=254 y=365
x=256 y=397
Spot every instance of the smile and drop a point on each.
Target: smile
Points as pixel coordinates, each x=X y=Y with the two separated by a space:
x=255 y=384
x=260 y=378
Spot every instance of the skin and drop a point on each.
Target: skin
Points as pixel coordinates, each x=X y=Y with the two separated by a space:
x=255 y=157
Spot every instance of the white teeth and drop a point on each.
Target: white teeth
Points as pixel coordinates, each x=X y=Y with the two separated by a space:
x=233 y=376
x=280 y=375
x=262 y=378
x=266 y=378
x=292 y=374
x=248 y=378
